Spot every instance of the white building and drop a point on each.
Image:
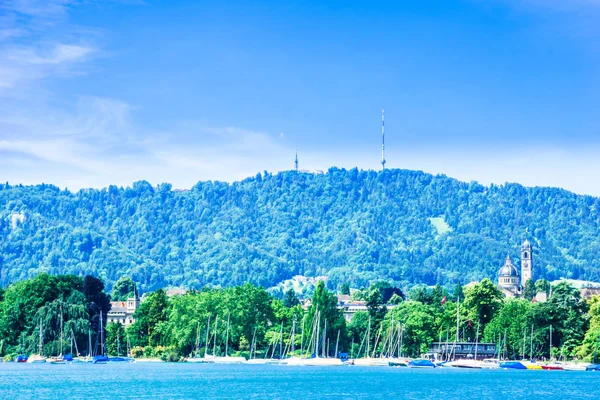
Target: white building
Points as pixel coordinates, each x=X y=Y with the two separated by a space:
x=122 y=311
x=510 y=282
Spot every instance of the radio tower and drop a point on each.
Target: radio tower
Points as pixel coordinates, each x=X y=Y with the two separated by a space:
x=296 y=162
x=383 y=137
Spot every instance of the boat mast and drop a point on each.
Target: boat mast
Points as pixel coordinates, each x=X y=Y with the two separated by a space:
x=550 y=358
x=524 y=341
x=368 y=337
x=215 y=343
x=227 y=334
x=476 y=341
x=293 y=338
x=206 y=337
x=337 y=342
x=41 y=345
x=281 y=341
x=197 y=339
x=531 y=344
x=101 y=335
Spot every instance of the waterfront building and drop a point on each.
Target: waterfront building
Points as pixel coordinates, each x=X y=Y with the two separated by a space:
x=122 y=311
x=461 y=350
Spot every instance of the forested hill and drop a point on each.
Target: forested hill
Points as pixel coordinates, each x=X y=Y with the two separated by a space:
x=353 y=226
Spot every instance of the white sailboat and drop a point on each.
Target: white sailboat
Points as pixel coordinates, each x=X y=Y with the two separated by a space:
x=226 y=359
x=38 y=358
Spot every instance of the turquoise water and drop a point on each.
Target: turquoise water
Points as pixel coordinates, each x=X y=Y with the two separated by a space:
x=185 y=381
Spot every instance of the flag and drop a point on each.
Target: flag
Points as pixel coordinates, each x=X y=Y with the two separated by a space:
x=444 y=300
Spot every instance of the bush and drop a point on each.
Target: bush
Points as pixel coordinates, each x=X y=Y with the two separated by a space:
x=137 y=352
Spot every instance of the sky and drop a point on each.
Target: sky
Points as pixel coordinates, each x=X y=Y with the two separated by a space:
x=94 y=93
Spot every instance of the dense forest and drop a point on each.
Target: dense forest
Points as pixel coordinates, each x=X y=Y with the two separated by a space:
x=352 y=226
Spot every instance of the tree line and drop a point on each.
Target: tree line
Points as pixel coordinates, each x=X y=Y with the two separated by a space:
x=248 y=321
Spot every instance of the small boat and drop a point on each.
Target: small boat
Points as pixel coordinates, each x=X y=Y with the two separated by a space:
x=398 y=362
x=552 y=367
x=22 y=358
x=593 y=368
x=36 y=359
x=575 y=366
x=512 y=365
x=532 y=365
x=322 y=362
x=120 y=359
x=421 y=363
x=371 y=362
x=471 y=364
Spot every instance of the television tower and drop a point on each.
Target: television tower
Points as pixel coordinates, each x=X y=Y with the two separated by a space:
x=296 y=162
x=383 y=137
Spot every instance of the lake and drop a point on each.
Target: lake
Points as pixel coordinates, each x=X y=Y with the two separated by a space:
x=185 y=381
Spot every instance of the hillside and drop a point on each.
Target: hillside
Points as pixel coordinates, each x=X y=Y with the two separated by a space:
x=350 y=225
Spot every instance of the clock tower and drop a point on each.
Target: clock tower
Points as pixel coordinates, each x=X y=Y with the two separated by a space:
x=526 y=266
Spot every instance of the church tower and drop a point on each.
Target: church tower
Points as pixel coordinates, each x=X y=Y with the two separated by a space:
x=526 y=266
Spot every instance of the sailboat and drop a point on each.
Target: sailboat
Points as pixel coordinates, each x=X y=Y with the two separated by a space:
x=323 y=360
x=60 y=359
x=101 y=358
x=594 y=367
x=38 y=358
x=368 y=360
x=195 y=358
x=227 y=359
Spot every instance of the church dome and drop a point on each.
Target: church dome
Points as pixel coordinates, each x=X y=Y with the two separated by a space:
x=508 y=269
x=526 y=244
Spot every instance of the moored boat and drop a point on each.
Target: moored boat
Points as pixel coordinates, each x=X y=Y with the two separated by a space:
x=22 y=358
x=593 y=368
x=575 y=366
x=421 y=363
x=552 y=367
x=512 y=365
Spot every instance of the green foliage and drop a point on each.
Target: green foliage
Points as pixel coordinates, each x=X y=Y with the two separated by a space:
x=542 y=286
x=324 y=304
x=483 y=300
x=345 y=288
x=290 y=299
x=354 y=226
x=418 y=322
x=123 y=289
x=150 y=316
x=529 y=290
x=116 y=339
x=59 y=304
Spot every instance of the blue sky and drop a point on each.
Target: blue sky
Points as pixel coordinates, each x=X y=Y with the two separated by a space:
x=94 y=93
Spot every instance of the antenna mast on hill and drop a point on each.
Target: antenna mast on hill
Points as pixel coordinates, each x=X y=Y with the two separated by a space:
x=296 y=162
x=383 y=137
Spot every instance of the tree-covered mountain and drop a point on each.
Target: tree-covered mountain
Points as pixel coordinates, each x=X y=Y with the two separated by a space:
x=353 y=226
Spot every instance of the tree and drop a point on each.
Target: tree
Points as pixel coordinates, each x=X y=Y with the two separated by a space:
x=290 y=299
x=345 y=289
x=483 y=301
x=324 y=305
x=97 y=300
x=458 y=292
x=116 y=339
x=149 y=316
x=542 y=286
x=123 y=289
x=529 y=291
x=417 y=323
